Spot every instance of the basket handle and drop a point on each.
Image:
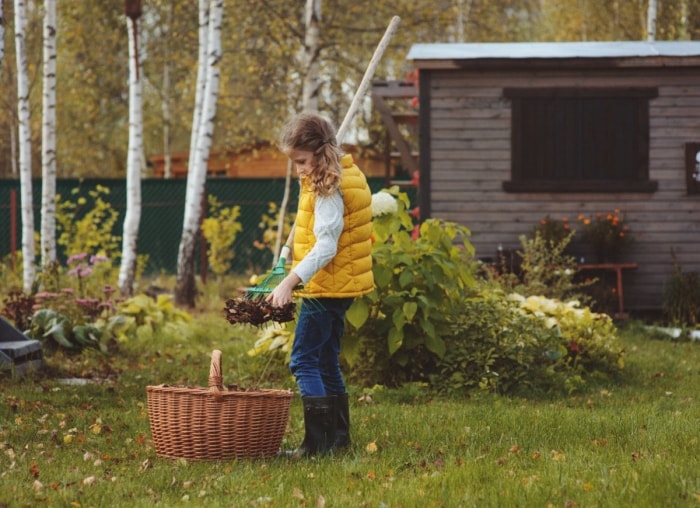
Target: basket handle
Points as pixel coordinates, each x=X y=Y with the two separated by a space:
x=216 y=381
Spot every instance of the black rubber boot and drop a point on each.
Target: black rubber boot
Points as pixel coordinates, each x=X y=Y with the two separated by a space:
x=319 y=427
x=342 y=422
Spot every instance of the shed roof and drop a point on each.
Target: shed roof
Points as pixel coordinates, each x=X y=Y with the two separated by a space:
x=442 y=55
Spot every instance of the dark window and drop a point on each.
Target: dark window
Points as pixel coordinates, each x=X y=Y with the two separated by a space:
x=580 y=139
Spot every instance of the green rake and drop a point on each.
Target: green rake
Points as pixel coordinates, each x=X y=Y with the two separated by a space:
x=272 y=280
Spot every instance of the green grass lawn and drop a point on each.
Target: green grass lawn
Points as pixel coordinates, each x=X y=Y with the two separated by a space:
x=633 y=443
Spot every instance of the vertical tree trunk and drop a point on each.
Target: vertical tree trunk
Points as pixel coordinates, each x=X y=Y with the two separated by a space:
x=185 y=289
x=165 y=105
x=196 y=175
x=201 y=81
x=312 y=49
x=25 y=148
x=48 y=139
x=132 y=217
x=683 y=33
x=311 y=83
x=651 y=21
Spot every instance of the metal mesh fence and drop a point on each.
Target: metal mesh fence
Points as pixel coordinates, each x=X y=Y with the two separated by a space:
x=163 y=208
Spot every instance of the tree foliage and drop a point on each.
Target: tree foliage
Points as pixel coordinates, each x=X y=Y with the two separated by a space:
x=261 y=80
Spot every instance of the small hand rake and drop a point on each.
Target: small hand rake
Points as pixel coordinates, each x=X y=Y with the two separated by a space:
x=272 y=280
x=252 y=308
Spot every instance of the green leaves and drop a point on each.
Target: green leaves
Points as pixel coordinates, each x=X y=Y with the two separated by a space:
x=54 y=328
x=358 y=313
x=419 y=283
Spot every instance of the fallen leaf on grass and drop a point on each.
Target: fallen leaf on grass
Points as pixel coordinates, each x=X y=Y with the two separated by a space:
x=297 y=493
x=371 y=447
x=558 y=456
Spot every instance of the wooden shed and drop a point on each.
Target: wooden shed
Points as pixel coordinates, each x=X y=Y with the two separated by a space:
x=513 y=132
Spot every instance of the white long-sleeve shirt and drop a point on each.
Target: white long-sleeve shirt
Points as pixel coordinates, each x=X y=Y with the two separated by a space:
x=328 y=225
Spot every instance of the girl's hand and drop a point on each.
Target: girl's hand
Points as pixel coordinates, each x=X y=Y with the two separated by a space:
x=282 y=294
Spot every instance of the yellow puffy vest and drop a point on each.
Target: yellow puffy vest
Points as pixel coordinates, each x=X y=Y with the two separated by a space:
x=349 y=273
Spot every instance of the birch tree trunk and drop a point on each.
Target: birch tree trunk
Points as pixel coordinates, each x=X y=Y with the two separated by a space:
x=165 y=104
x=312 y=65
x=127 y=271
x=201 y=82
x=25 y=148
x=48 y=139
x=312 y=50
x=651 y=21
x=185 y=289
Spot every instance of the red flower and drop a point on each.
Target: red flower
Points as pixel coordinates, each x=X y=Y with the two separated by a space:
x=416 y=232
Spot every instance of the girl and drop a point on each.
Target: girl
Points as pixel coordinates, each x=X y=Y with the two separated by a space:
x=331 y=250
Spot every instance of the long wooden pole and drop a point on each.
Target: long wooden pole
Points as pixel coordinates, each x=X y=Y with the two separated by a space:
x=367 y=78
x=354 y=105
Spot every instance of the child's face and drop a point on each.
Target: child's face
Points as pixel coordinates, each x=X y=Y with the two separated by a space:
x=303 y=160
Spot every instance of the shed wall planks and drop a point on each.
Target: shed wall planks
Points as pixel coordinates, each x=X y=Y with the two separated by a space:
x=470 y=158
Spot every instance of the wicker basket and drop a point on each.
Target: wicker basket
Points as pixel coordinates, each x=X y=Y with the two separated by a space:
x=217 y=423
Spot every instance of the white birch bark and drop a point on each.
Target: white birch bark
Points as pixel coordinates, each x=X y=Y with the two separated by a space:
x=196 y=174
x=132 y=217
x=201 y=82
x=310 y=88
x=651 y=21
x=25 y=148
x=48 y=138
x=165 y=104
x=312 y=49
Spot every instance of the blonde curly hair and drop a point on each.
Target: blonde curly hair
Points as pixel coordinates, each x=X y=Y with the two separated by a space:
x=313 y=133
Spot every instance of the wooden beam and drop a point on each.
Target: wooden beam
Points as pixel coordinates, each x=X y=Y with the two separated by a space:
x=393 y=129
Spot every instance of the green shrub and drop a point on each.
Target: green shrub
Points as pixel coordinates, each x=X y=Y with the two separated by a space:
x=681 y=300
x=523 y=345
x=142 y=316
x=220 y=229
x=545 y=269
x=396 y=333
x=85 y=226
x=56 y=330
x=497 y=348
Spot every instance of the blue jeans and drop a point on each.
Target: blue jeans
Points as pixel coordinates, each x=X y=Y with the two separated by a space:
x=314 y=360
